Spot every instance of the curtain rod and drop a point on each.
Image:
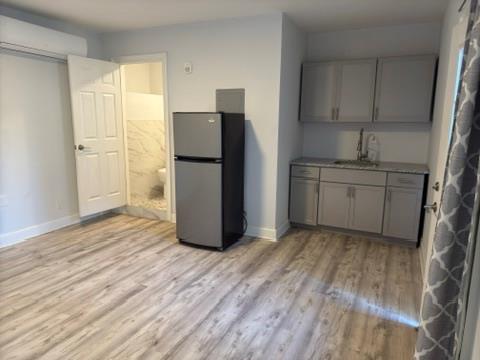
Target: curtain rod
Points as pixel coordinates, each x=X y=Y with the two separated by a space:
x=462 y=5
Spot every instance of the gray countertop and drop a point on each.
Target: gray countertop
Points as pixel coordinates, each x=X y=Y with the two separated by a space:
x=382 y=166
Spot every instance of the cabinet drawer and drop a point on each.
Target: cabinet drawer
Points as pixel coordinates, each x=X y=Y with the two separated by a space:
x=405 y=180
x=308 y=172
x=360 y=177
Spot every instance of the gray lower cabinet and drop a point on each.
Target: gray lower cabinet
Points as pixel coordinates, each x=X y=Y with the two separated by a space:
x=402 y=212
x=334 y=204
x=366 y=212
x=355 y=207
x=376 y=202
x=303 y=201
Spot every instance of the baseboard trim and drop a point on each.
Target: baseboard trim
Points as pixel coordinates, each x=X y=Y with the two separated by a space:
x=280 y=231
x=268 y=233
x=18 y=236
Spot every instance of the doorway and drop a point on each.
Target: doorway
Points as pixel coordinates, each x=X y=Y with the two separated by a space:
x=145 y=119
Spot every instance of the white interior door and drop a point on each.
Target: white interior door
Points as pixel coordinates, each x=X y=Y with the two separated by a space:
x=442 y=131
x=98 y=133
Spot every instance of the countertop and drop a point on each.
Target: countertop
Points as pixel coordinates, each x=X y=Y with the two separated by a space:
x=382 y=166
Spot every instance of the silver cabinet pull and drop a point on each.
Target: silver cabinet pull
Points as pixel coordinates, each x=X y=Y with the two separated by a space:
x=375 y=116
x=337 y=115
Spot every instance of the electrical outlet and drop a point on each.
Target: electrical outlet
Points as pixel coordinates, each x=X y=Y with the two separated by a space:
x=3 y=200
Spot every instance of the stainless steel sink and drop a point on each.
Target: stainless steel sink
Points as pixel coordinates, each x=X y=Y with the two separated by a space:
x=356 y=162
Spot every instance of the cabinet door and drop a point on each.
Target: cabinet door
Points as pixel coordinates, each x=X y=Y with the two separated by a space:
x=318 y=91
x=402 y=213
x=303 y=201
x=333 y=204
x=356 y=90
x=367 y=208
x=405 y=89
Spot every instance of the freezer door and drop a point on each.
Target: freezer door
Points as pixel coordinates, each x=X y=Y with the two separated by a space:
x=199 y=202
x=197 y=135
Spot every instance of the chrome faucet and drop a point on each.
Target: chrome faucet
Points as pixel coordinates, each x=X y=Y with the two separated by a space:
x=360 y=154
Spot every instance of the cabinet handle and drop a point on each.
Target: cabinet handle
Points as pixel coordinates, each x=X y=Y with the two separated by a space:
x=389 y=195
x=317 y=188
x=337 y=114
x=375 y=117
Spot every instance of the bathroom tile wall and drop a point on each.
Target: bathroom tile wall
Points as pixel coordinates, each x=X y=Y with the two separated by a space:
x=146 y=154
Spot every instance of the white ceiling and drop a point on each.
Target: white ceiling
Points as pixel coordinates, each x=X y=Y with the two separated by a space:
x=311 y=15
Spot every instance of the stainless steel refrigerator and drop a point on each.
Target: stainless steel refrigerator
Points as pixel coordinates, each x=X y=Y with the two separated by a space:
x=209 y=173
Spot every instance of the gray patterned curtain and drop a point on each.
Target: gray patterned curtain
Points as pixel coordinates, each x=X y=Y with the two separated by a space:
x=444 y=298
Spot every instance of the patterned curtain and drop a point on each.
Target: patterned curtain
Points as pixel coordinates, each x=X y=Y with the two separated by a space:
x=446 y=291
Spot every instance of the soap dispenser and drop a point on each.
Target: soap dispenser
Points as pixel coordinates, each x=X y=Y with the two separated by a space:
x=373 y=148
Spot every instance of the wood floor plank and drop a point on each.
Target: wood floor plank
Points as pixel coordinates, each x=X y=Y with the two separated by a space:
x=121 y=287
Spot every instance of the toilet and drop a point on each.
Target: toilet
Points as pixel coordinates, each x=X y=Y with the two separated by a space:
x=162 y=175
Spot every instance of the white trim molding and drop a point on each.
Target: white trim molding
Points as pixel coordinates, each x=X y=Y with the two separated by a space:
x=268 y=233
x=18 y=236
x=282 y=229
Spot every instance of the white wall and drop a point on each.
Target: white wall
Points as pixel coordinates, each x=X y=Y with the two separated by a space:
x=144 y=78
x=233 y=53
x=37 y=177
x=379 y=41
x=397 y=142
x=37 y=180
x=290 y=133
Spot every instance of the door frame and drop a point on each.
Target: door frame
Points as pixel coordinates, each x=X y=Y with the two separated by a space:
x=151 y=58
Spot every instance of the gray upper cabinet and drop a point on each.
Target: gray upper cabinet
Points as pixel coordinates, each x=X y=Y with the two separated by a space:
x=394 y=89
x=303 y=201
x=318 y=91
x=355 y=90
x=338 y=91
x=366 y=212
x=404 y=89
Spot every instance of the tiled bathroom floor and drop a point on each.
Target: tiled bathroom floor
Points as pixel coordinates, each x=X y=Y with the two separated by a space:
x=154 y=203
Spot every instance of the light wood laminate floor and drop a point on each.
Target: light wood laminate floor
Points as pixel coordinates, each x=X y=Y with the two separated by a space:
x=123 y=288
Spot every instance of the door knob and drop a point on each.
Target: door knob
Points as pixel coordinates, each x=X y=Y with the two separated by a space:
x=433 y=207
x=81 y=147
